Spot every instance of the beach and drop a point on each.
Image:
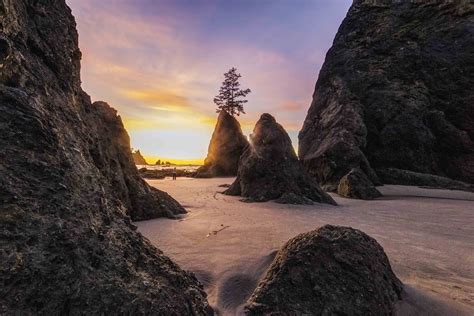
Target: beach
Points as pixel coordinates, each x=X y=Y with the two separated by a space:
x=428 y=235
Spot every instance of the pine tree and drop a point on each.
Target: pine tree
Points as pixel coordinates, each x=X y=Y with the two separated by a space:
x=229 y=94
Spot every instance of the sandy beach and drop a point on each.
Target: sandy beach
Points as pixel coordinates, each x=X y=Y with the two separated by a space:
x=427 y=234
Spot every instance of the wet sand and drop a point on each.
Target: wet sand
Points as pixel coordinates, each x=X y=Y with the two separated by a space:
x=427 y=234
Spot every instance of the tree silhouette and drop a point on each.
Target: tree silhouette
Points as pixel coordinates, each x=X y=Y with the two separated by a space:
x=229 y=94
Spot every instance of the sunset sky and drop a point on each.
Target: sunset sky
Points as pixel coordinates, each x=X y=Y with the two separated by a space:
x=161 y=62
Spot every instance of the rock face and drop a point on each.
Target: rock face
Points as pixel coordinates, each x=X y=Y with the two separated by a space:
x=356 y=185
x=226 y=146
x=110 y=151
x=395 y=91
x=330 y=271
x=67 y=183
x=405 y=177
x=270 y=170
x=138 y=158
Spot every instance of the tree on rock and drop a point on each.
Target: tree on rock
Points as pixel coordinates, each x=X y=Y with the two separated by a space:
x=230 y=98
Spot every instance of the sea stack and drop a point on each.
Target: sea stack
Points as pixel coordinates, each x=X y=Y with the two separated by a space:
x=270 y=170
x=394 y=97
x=226 y=146
x=110 y=151
x=330 y=271
x=138 y=158
x=68 y=186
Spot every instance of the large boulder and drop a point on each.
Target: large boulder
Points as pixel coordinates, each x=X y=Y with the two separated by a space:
x=138 y=159
x=330 y=271
x=395 y=91
x=270 y=170
x=226 y=146
x=68 y=185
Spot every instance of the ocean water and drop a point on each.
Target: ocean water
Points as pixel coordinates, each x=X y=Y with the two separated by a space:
x=165 y=167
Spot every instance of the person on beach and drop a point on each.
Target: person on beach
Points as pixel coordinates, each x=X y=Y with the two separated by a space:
x=174 y=173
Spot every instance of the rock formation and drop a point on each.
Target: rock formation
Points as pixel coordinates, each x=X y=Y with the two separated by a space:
x=395 y=91
x=138 y=158
x=270 y=170
x=405 y=177
x=67 y=183
x=165 y=172
x=226 y=146
x=330 y=271
x=356 y=185
x=109 y=148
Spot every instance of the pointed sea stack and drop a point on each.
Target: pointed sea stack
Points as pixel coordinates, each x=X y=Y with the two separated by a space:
x=394 y=97
x=68 y=185
x=270 y=170
x=226 y=146
x=138 y=158
x=330 y=271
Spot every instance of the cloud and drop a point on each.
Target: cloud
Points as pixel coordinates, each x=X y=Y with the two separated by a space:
x=140 y=124
x=293 y=106
x=160 y=63
x=159 y=100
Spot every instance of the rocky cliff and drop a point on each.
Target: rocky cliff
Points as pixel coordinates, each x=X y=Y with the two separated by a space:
x=270 y=170
x=395 y=94
x=226 y=146
x=67 y=183
x=138 y=158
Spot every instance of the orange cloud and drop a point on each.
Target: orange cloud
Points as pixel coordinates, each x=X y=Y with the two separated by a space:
x=159 y=100
x=292 y=106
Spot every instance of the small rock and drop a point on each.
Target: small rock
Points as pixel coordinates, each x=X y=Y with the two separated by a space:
x=356 y=185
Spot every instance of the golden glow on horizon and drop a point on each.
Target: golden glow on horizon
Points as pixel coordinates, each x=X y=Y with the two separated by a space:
x=152 y=159
x=134 y=124
x=163 y=69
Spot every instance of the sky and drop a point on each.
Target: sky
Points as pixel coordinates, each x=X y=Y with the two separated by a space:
x=161 y=62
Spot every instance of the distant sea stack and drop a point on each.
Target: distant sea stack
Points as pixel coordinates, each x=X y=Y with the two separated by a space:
x=333 y=270
x=138 y=158
x=67 y=183
x=394 y=97
x=226 y=146
x=270 y=170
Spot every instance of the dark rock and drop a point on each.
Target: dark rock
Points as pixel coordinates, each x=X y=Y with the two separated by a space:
x=165 y=172
x=151 y=174
x=114 y=161
x=395 y=91
x=226 y=146
x=405 y=177
x=270 y=170
x=330 y=271
x=292 y=198
x=138 y=158
x=67 y=183
x=356 y=185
